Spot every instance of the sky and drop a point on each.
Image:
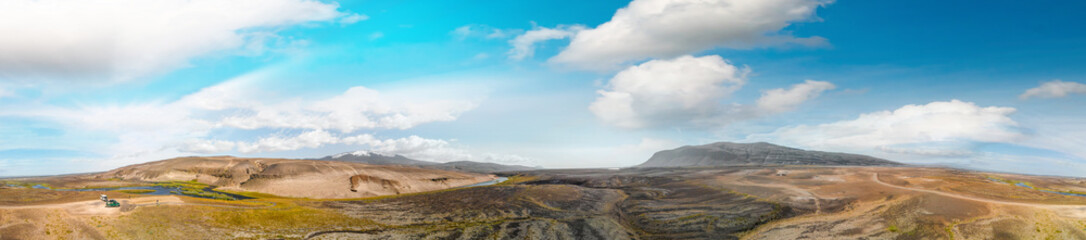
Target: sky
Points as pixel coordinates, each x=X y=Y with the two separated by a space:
x=92 y=85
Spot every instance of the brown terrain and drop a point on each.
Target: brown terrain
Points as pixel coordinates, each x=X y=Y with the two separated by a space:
x=401 y=202
x=297 y=178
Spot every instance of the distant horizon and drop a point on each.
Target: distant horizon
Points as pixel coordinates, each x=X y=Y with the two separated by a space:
x=906 y=165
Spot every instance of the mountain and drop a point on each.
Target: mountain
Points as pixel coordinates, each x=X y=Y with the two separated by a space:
x=463 y=166
x=297 y=178
x=761 y=153
x=479 y=167
x=376 y=159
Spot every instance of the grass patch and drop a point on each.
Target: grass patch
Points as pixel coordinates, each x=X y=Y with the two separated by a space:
x=22 y=184
x=193 y=188
x=256 y=195
x=136 y=191
x=513 y=180
x=286 y=221
x=892 y=228
x=181 y=184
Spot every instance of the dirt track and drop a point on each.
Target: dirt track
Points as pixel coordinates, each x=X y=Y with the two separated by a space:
x=1074 y=211
x=96 y=207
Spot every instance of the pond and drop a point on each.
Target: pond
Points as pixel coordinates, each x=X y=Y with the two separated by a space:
x=1022 y=184
x=1065 y=193
x=487 y=183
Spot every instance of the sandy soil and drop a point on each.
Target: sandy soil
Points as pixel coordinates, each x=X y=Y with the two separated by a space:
x=97 y=207
x=1073 y=211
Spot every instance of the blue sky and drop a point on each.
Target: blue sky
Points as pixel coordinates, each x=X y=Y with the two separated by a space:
x=561 y=84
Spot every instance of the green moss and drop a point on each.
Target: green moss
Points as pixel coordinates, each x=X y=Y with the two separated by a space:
x=892 y=228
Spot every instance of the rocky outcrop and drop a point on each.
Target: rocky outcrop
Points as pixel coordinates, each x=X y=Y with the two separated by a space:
x=728 y=154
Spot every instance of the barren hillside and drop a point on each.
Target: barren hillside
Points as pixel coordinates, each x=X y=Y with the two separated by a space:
x=733 y=154
x=297 y=178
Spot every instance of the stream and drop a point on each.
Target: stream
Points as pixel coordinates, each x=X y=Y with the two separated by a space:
x=158 y=190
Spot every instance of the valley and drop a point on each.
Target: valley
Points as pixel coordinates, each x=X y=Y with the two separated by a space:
x=736 y=202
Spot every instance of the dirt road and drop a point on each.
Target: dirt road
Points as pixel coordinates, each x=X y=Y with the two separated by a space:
x=1074 y=211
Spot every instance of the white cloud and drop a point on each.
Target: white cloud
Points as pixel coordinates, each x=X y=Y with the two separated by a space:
x=669 y=28
x=663 y=92
x=434 y=150
x=376 y=35
x=782 y=100
x=937 y=128
x=207 y=146
x=1054 y=89
x=353 y=18
x=357 y=108
x=309 y=139
x=689 y=91
x=414 y=147
x=111 y=40
x=481 y=31
x=524 y=44
x=157 y=130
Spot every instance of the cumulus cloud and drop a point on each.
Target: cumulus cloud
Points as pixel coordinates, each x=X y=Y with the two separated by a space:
x=207 y=146
x=783 y=100
x=937 y=128
x=689 y=91
x=669 y=28
x=662 y=92
x=524 y=44
x=357 y=108
x=1054 y=89
x=154 y=130
x=415 y=147
x=112 y=41
x=310 y=139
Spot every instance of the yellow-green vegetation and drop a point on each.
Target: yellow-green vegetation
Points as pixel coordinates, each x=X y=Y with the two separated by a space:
x=253 y=203
x=136 y=191
x=181 y=184
x=23 y=184
x=512 y=180
x=256 y=195
x=1030 y=185
x=206 y=194
x=193 y=188
x=892 y=228
x=950 y=231
x=287 y=220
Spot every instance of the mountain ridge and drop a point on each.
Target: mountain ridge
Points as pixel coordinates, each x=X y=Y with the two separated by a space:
x=757 y=153
x=366 y=157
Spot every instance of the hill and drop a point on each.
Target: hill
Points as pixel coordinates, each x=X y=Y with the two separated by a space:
x=463 y=166
x=761 y=153
x=297 y=178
